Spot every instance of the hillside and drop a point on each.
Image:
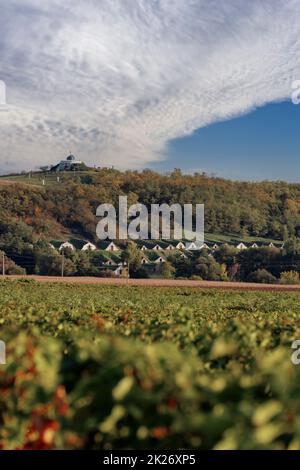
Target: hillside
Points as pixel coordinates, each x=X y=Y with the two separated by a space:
x=65 y=207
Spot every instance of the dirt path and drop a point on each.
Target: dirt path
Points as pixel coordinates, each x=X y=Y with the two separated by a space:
x=164 y=283
x=4 y=182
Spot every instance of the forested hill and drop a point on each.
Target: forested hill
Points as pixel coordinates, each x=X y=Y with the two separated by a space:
x=67 y=206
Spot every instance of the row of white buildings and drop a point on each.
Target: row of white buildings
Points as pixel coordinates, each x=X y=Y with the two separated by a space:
x=157 y=246
x=153 y=252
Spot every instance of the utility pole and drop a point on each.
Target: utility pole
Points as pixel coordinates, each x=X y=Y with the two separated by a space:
x=63 y=264
x=3 y=264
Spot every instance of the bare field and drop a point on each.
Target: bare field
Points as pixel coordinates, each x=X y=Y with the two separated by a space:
x=164 y=283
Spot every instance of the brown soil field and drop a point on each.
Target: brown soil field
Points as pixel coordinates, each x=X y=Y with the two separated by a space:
x=164 y=283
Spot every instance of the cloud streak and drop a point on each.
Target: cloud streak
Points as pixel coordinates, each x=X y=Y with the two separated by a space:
x=116 y=80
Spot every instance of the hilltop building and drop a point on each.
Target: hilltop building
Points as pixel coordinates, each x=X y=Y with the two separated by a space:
x=70 y=163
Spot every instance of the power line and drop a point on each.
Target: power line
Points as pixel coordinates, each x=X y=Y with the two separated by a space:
x=3 y=263
x=62 y=263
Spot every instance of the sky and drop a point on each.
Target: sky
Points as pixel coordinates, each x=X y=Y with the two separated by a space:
x=204 y=85
x=261 y=145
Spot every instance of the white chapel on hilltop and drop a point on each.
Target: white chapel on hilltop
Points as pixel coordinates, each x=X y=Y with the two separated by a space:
x=69 y=163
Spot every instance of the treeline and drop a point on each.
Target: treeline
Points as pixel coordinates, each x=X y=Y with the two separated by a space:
x=262 y=265
x=25 y=248
x=266 y=209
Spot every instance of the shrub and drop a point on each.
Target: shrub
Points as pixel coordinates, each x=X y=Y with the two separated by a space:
x=167 y=271
x=263 y=276
x=11 y=268
x=289 y=277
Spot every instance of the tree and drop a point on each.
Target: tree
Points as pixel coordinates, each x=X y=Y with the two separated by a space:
x=183 y=266
x=208 y=269
x=10 y=267
x=167 y=270
x=285 y=233
x=292 y=246
x=289 y=277
x=226 y=254
x=262 y=276
x=258 y=258
x=82 y=261
x=132 y=256
x=48 y=264
x=51 y=265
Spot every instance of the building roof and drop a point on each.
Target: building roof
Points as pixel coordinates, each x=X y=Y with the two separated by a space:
x=104 y=244
x=104 y=256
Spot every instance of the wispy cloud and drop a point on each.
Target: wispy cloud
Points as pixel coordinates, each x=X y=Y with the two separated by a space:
x=116 y=80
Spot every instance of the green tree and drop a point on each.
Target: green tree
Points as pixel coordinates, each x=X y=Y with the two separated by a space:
x=262 y=276
x=132 y=256
x=167 y=270
x=209 y=269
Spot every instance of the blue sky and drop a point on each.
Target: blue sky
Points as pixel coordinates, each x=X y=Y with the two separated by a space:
x=151 y=83
x=263 y=144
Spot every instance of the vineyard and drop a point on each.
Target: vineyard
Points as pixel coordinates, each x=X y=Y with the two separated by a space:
x=116 y=367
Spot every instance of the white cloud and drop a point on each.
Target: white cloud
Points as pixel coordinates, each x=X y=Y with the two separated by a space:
x=116 y=80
